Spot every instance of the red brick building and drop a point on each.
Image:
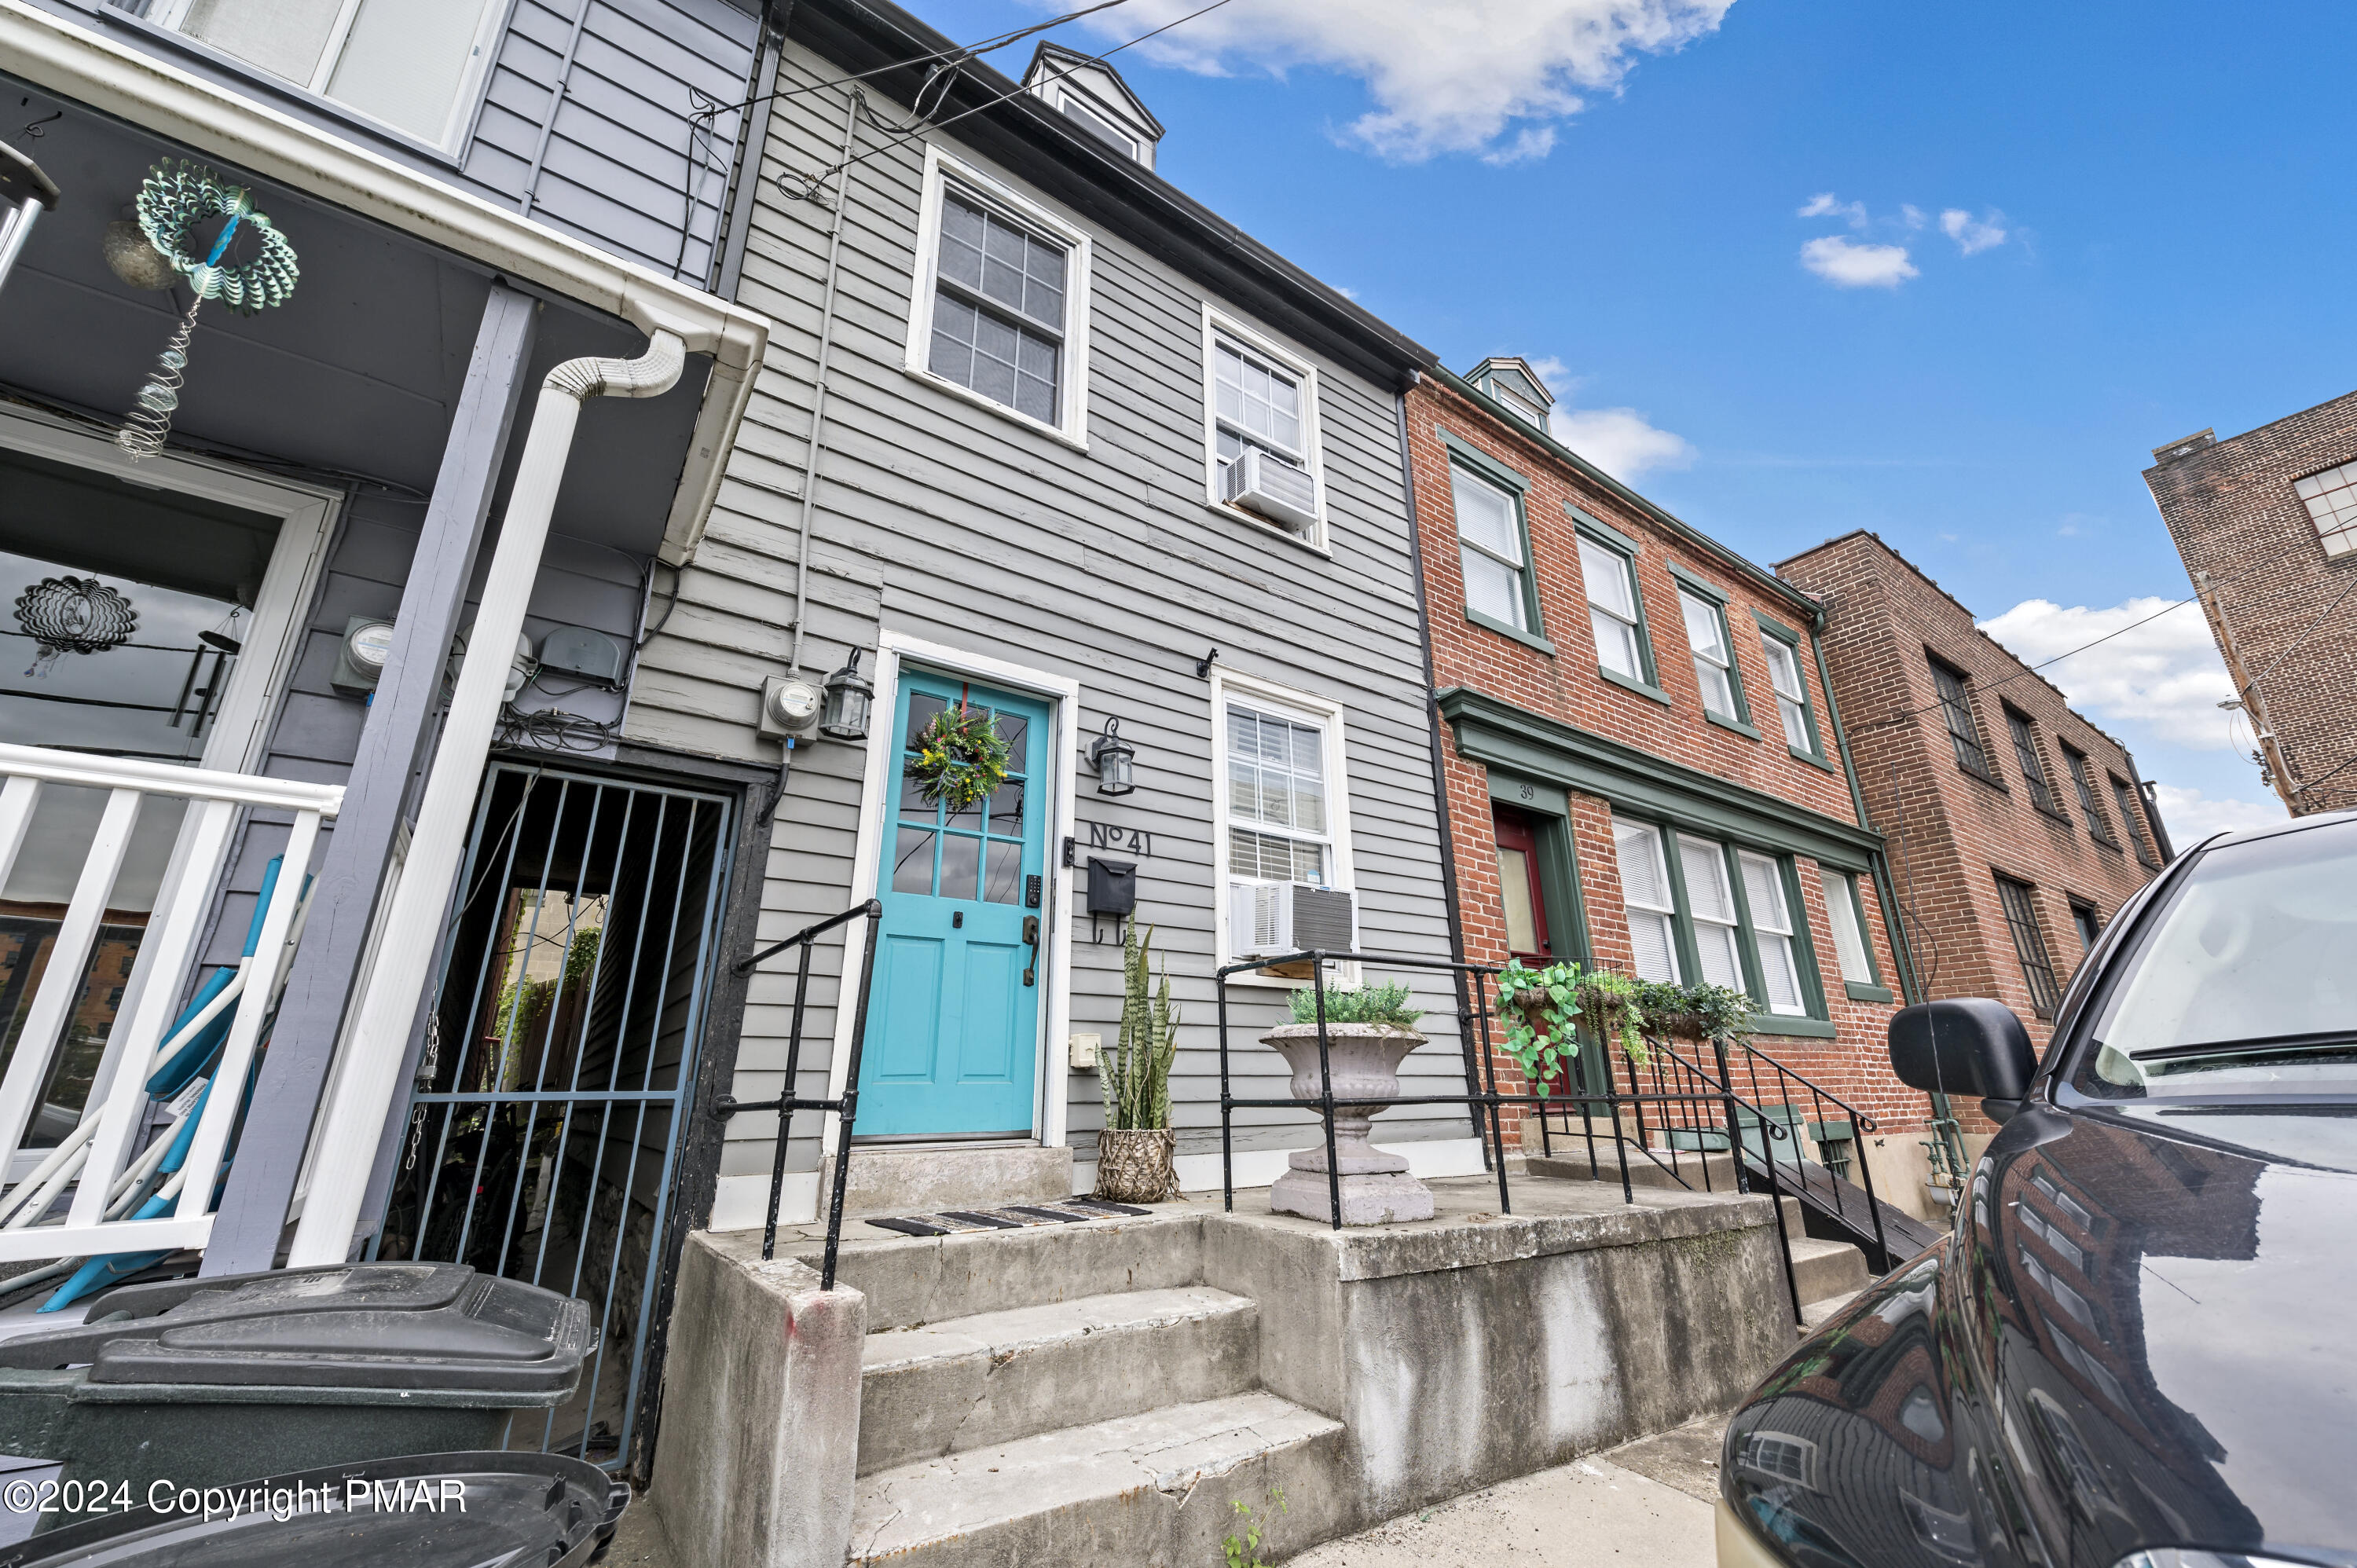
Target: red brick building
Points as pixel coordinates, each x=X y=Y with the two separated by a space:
x=2015 y=829
x=2266 y=524
x=1643 y=768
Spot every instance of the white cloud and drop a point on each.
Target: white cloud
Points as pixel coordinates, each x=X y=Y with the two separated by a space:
x=2190 y=816
x=1823 y=204
x=1847 y=265
x=1474 y=76
x=1911 y=214
x=1620 y=441
x=1972 y=235
x=2165 y=673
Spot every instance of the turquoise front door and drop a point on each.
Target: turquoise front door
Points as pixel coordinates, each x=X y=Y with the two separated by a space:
x=954 y=1020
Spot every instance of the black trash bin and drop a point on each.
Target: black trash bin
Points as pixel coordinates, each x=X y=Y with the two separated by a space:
x=202 y=1381
x=430 y=1511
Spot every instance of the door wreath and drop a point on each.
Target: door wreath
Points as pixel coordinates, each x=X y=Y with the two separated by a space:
x=961 y=759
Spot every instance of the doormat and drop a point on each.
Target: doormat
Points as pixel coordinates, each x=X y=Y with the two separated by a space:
x=1014 y=1216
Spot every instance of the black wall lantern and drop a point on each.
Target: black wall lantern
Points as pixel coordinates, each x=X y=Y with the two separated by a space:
x=849 y=696
x=1114 y=761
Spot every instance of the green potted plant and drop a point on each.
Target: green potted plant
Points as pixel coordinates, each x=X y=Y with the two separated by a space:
x=1700 y=1013
x=1136 y=1150
x=1369 y=1030
x=1543 y=1008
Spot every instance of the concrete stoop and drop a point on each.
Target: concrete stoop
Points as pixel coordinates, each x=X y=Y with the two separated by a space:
x=1112 y=1391
x=1153 y=1489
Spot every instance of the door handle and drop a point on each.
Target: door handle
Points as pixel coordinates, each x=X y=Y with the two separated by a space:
x=1031 y=935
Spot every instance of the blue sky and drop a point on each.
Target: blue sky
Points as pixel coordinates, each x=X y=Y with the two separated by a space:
x=2142 y=243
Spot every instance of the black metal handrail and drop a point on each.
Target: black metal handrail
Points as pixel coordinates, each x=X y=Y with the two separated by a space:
x=1861 y=1124
x=845 y=1106
x=1487 y=1100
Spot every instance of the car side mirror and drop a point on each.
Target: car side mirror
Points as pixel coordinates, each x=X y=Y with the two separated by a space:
x=1965 y=1044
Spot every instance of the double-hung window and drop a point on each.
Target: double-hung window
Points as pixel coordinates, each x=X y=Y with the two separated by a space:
x=1260 y=423
x=1843 y=914
x=1490 y=545
x=415 y=65
x=1002 y=296
x=1612 y=611
x=2130 y=823
x=1791 y=692
x=2033 y=766
x=2082 y=780
x=1281 y=811
x=1646 y=898
x=2020 y=906
x=1956 y=712
x=1702 y=911
x=1714 y=656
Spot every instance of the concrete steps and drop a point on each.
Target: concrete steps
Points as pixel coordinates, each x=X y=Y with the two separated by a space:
x=1824 y=1269
x=911 y=1280
x=998 y=1377
x=1156 y=1490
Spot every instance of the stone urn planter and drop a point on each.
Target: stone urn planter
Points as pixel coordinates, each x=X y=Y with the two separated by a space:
x=1135 y=1165
x=1364 y=1059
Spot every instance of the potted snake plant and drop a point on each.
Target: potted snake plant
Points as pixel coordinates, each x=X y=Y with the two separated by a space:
x=1136 y=1148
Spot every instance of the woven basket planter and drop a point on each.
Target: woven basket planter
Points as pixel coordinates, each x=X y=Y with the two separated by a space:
x=1134 y=1165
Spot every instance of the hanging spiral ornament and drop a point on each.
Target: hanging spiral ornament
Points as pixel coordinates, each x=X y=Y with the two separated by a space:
x=73 y=615
x=173 y=201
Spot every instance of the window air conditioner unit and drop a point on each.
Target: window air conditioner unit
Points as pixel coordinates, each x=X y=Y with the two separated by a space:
x=1274 y=918
x=1273 y=488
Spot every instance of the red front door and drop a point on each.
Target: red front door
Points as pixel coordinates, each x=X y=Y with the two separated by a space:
x=1519 y=890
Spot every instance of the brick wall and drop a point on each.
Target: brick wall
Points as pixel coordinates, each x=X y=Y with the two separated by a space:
x=2232 y=512
x=1949 y=833
x=1565 y=685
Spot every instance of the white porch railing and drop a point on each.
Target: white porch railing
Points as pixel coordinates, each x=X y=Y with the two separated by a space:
x=102 y=1218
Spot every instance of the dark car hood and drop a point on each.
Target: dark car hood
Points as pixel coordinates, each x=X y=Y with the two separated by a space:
x=2138 y=1335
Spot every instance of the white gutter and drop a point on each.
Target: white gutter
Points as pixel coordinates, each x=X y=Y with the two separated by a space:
x=382 y=1015
x=73 y=60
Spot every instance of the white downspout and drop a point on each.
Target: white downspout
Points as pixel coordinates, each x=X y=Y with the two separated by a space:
x=355 y=1122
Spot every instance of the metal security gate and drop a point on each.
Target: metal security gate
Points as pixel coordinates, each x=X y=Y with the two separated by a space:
x=547 y=1113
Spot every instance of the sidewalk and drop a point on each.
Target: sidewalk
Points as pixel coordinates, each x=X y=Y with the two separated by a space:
x=1647 y=1505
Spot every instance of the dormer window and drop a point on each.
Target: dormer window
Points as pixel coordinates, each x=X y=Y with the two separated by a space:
x=1093 y=99
x=1516 y=386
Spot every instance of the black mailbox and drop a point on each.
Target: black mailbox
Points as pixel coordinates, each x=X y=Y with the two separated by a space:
x=1113 y=887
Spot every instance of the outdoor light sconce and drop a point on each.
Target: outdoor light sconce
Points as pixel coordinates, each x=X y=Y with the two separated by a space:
x=1114 y=760
x=849 y=696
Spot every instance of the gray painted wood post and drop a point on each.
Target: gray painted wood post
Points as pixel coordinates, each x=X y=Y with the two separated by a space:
x=270 y=1153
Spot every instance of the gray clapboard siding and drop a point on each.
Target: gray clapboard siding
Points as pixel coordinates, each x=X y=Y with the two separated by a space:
x=1105 y=565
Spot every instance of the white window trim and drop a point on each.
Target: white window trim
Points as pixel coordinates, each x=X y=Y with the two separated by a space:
x=1217 y=325
x=1262 y=694
x=466 y=103
x=1072 y=426
x=1066 y=99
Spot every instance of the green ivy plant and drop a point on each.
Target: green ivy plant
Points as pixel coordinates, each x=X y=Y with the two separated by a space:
x=1542 y=1009
x=1384 y=1004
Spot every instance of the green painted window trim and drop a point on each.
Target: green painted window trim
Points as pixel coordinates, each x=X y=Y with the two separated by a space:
x=1860 y=992
x=1643 y=688
x=1529 y=640
x=1784 y=1025
x=1785 y=634
x=1488 y=470
x=1507 y=739
x=1626 y=548
x=1746 y=938
x=1739 y=720
x=1723 y=722
x=1603 y=532
x=1703 y=586
x=1481 y=463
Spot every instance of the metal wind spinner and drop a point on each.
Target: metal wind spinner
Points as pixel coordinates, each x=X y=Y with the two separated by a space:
x=172 y=202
